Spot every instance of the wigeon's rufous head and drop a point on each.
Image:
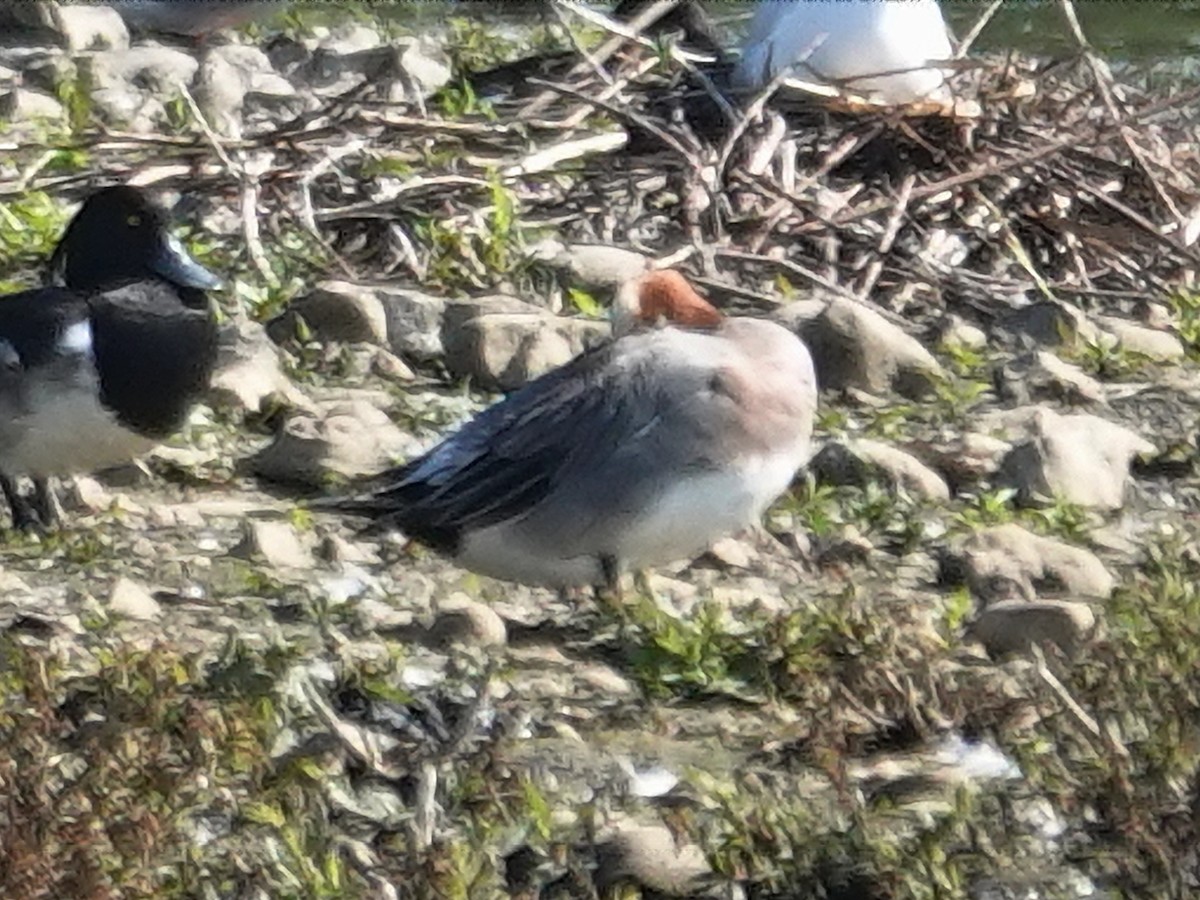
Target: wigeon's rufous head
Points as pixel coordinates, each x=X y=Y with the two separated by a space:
x=661 y=297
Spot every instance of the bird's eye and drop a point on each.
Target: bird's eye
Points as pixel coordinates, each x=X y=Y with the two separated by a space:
x=134 y=221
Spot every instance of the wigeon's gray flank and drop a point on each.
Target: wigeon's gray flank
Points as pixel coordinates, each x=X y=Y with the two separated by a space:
x=638 y=453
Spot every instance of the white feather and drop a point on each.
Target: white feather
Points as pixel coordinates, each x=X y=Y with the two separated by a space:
x=77 y=338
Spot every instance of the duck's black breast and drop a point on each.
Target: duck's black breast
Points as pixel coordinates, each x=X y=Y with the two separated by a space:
x=153 y=354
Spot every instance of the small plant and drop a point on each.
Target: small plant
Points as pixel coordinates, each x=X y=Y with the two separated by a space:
x=30 y=228
x=987 y=508
x=684 y=655
x=1108 y=359
x=1186 y=309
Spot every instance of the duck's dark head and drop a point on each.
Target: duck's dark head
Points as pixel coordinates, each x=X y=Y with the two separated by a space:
x=119 y=236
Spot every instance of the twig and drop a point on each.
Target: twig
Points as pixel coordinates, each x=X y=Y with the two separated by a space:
x=549 y=157
x=788 y=265
x=1078 y=712
x=1102 y=85
x=249 y=196
x=652 y=13
x=889 y=235
x=630 y=116
x=977 y=28
x=756 y=105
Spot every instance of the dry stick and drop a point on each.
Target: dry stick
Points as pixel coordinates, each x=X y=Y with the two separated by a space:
x=1140 y=221
x=794 y=267
x=549 y=157
x=889 y=235
x=597 y=67
x=978 y=27
x=847 y=145
x=1110 y=103
x=995 y=167
x=652 y=13
x=575 y=119
x=1078 y=712
x=627 y=114
x=249 y=197
x=755 y=107
x=998 y=167
x=373 y=208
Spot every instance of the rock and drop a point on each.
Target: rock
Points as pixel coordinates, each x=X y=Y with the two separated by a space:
x=731 y=552
x=859 y=462
x=276 y=543
x=87 y=493
x=23 y=105
x=414 y=322
x=389 y=366
x=964 y=457
x=90 y=27
x=1032 y=561
x=129 y=598
x=503 y=351
x=335 y=311
x=131 y=87
x=1151 y=342
x=1052 y=323
x=404 y=69
x=1082 y=458
x=853 y=346
x=228 y=75
x=336 y=549
x=462 y=621
x=954 y=332
x=423 y=66
x=248 y=372
x=592 y=264
x=1043 y=376
x=1017 y=626
x=344 y=440
x=31 y=22
x=648 y=856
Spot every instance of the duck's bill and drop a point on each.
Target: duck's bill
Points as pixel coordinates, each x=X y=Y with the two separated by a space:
x=176 y=265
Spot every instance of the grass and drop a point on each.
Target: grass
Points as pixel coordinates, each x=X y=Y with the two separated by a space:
x=1061 y=518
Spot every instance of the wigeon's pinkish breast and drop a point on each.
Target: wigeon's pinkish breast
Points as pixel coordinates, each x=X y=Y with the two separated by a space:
x=635 y=454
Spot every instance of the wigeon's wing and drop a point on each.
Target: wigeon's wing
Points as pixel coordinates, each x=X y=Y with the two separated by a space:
x=569 y=426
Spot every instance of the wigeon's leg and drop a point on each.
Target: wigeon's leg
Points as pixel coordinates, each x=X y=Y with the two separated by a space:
x=45 y=503
x=611 y=570
x=641 y=581
x=23 y=516
x=609 y=593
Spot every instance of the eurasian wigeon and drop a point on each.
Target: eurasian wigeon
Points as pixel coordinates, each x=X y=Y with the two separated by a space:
x=640 y=452
x=99 y=368
x=879 y=49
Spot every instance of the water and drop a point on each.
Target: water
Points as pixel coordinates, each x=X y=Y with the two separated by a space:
x=1121 y=30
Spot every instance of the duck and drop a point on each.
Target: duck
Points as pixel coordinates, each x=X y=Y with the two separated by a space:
x=108 y=359
x=850 y=43
x=680 y=431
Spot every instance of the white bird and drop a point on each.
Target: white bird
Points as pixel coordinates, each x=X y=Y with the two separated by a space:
x=638 y=453
x=850 y=44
